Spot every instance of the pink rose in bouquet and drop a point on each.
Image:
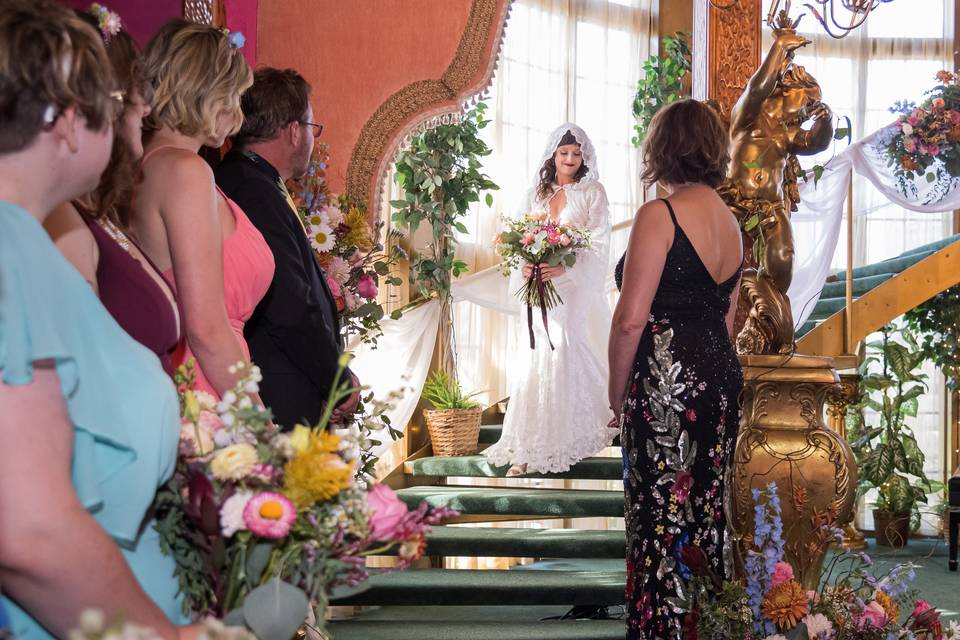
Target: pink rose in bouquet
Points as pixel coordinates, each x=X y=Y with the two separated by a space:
x=366 y=287
x=387 y=512
x=873 y=615
x=782 y=572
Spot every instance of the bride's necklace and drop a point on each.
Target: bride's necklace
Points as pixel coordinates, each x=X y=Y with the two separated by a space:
x=116 y=233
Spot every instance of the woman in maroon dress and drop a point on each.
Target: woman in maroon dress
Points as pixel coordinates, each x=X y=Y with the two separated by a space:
x=93 y=232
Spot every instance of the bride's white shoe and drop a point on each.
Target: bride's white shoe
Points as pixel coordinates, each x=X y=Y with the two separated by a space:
x=516 y=470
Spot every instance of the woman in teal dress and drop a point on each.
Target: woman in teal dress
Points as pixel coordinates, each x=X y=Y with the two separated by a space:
x=88 y=418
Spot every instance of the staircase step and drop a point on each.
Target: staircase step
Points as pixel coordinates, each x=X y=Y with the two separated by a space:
x=826 y=307
x=518 y=501
x=448 y=630
x=806 y=328
x=478 y=587
x=478 y=467
x=860 y=286
x=893 y=265
x=525 y=543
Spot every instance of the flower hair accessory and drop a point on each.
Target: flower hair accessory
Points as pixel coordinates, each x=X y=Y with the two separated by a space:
x=108 y=21
x=236 y=39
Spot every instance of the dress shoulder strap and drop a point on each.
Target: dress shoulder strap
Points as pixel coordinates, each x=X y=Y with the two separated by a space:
x=147 y=155
x=673 y=216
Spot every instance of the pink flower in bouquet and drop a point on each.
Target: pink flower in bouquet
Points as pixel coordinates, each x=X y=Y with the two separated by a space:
x=938 y=103
x=933 y=149
x=920 y=607
x=496 y=238
x=231 y=513
x=350 y=301
x=907 y=129
x=818 y=626
x=269 y=515
x=954 y=117
x=266 y=472
x=564 y=240
x=782 y=572
x=334 y=286
x=527 y=239
x=682 y=483
x=339 y=270
x=539 y=216
x=553 y=237
x=909 y=144
x=335 y=216
x=922 y=147
x=873 y=615
x=197 y=440
x=366 y=287
x=387 y=512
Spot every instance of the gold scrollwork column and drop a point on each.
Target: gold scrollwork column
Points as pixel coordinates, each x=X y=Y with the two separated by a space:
x=837 y=403
x=783 y=439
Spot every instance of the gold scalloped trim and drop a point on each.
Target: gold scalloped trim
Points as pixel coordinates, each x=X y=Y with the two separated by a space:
x=422 y=100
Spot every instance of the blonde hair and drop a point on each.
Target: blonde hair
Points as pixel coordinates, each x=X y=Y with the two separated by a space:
x=50 y=60
x=196 y=74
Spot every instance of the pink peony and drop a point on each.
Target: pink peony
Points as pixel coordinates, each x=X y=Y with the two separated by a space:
x=387 y=512
x=335 y=290
x=782 y=572
x=873 y=616
x=269 y=515
x=527 y=240
x=366 y=287
x=682 y=483
x=553 y=237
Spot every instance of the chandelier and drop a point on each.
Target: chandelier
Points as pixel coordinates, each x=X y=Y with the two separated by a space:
x=838 y=17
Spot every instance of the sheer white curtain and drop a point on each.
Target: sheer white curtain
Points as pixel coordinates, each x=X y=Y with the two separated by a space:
x=894 y=56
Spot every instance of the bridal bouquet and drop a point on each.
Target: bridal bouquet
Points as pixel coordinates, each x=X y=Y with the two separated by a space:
x=851 y=603
x=264 y=525
x=536 y=240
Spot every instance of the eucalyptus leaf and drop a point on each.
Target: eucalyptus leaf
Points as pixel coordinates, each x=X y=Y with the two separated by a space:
x=275 y=610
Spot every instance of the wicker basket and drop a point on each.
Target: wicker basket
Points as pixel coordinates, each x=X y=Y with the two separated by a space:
x=453 y=432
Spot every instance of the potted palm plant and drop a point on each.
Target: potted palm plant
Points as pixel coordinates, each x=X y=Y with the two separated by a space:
x=887 y=452
x=454 y=421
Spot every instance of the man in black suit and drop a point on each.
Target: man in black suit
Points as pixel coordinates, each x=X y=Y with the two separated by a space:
x=294 y=334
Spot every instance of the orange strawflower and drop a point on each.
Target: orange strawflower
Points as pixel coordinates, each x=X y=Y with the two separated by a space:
x=889 y=605
x=786 y=604
x=908 y=163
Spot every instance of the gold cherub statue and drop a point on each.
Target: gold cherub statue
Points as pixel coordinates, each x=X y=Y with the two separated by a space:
x=766 y=135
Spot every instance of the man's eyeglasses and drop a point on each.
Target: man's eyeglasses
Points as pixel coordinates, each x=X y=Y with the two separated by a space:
x=317 y=128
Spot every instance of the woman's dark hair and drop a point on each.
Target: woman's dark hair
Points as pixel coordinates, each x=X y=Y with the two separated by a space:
x=686 y=142
x=548 y=172
x=111 y=198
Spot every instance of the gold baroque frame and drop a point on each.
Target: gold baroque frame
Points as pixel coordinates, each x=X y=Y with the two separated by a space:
x=423 y=100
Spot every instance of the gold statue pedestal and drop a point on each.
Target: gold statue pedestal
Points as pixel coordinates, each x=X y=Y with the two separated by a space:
x=783 y=439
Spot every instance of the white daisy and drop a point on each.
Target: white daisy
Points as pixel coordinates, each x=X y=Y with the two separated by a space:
x=321 y=237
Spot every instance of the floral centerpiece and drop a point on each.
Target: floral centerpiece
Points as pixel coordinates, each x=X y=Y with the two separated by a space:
x=535 y=240
x=770 y=604
x=925 y=140
x=348 y=249
x=264 y=525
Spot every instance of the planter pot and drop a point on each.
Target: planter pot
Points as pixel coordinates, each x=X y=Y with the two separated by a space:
x=453 y=432
x=892 y=529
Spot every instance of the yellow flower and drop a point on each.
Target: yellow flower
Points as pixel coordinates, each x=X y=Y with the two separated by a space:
x=889 y=605
x=316 y=473
x=234 y=462
x=300 y=438
x=786 y=604
x=359 y=235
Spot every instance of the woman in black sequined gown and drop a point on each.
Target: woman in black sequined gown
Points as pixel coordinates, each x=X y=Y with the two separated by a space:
x=675 y=379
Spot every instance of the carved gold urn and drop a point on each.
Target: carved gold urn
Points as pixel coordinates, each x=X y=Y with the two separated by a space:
x=783 y=439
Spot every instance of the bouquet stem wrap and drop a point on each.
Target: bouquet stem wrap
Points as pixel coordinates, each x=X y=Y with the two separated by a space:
x=538 y=293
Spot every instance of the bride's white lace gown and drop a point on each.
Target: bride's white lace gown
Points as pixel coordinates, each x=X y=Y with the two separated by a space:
x=557 y=412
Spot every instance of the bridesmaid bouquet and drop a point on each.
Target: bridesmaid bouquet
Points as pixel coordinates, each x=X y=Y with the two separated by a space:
x=537 y=240
x=265 y=525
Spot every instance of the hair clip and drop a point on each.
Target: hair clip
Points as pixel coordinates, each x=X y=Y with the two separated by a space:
x=236 y=39
x=108 y=21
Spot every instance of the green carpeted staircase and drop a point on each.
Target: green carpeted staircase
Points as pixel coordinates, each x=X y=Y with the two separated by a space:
x=455 y=604
x=865 y=279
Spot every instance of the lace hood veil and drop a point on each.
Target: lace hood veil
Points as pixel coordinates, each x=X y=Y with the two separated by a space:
x=586 y=148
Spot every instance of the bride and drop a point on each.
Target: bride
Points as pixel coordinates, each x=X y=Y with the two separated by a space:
x=557 y=413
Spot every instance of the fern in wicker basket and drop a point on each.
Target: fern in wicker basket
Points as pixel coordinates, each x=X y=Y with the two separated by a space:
x=454 y=421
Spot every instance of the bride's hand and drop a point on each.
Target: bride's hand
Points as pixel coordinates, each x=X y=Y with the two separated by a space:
x=549 y=273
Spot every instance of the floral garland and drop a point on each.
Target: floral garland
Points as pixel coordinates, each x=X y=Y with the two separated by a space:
x=925 y=140
x=348 y=249
x=850 y=604
x=108 y=21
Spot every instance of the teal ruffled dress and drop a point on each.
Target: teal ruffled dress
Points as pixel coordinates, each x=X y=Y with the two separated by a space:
x=123 y=406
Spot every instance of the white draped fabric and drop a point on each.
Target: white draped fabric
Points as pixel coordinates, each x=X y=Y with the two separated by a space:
x=818 y=223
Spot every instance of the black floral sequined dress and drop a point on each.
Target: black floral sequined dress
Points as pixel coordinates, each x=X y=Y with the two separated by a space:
x=679 y=428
